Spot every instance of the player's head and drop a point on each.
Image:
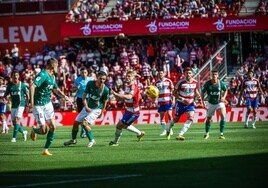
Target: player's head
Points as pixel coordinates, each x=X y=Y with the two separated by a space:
x=102 y=77
x=2 y=80
x=188 y=72
x=215 y=74
x=83 y=72
x=161 y=73
x=52 y=65
x=130 y=76
x=250 y=73
x=15 y=75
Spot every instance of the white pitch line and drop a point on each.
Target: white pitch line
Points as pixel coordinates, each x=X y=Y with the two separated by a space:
x=74 y=181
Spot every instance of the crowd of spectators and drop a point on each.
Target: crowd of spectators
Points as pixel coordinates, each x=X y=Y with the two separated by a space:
x=262 y=8
x=145 y=55
x=90 y=10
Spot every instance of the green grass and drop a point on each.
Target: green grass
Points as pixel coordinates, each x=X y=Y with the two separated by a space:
x=241 y=160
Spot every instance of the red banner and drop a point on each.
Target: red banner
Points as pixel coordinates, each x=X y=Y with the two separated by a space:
x=31 y=32
x=178 y=26
x=146 y=117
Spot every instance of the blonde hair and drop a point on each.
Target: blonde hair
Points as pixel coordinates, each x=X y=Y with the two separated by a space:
x=131 y=72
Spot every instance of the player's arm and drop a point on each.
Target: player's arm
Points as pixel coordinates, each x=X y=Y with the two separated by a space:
x=122 y=96
x=199 y=97
x=241 y=92
x=225 y=92
x=62 y=95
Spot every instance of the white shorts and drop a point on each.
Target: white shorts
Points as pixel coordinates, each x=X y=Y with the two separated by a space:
x=90 y=117
x=17 y=112
x=43 y=113
x=213 y=107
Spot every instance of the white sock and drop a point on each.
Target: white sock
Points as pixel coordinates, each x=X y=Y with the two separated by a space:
x=163 y=125
x=133 y=129
x=254 y=120
x=118 y=133
x=247 y=118
x=185 y=127
x=4 y=123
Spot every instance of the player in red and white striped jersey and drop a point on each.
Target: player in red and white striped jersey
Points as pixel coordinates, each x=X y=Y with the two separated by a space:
x=3 y=106
x=132 y=110
x=185 y=92
x=165 y=99
x=251 y=88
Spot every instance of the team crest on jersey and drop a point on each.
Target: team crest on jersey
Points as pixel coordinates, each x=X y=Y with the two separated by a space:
x=38 y=78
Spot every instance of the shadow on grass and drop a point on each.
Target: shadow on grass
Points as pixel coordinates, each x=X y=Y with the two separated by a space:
x=231 y=171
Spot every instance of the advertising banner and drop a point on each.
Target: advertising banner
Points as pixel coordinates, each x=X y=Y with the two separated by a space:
x=32 y=32
x=172 y=26
x=146 y=117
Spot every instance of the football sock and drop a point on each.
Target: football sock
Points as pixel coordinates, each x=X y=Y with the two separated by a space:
x=50 y=138
x=15 y=130
x=4 y=124
x=133 y=129
x=163 y=125
x=74 y=133
x=254 y=120
x=207 y=127
x=118 y=133
x=36 y=130
x=170 y=125
x=185 y=127
x=222 y=125
x=89 y=135
x=247 y=118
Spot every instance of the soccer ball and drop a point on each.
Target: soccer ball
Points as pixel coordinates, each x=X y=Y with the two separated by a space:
x=152 y=91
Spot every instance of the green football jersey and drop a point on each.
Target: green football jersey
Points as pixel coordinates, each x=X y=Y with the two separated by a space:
x=45 y=83
x=214 y=91
x=17 y=92
x=96 y=96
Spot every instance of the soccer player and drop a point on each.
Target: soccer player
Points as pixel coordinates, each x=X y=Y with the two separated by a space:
x=3 y=106
x=40 y=91
x=79 y=87
x=18 y=92
x=216 y=92
x=132 y=110
x=251 y=88
x=94 y=106
x=165 y=99
x=185 y=92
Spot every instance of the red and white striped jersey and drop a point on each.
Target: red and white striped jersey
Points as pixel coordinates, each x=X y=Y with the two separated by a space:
x=250 y=88
x=134 y=60
x=165 y=91
x=2 y=92
x=187 y=89
x=132 y=105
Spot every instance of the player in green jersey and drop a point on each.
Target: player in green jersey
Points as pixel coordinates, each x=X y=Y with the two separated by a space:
x=40 y=91
x=98 y=94
x=18 y=92
x=216 y=93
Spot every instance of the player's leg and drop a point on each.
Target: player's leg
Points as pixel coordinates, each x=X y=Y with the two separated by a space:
x=38 y=112
x=249 y=109
x=162 y=121
x=90 y=120
x=3 y=118
x=169 y=113
x=128 y=125
x=222 y=111
x=210 y=113
x=80 y=106
x=187 y=124
x=254 y=106
x=179 y=110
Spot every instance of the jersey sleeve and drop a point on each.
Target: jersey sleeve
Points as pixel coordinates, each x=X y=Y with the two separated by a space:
x=39 y=79
x=223 y=86
x=7 y=92
x=204 y=88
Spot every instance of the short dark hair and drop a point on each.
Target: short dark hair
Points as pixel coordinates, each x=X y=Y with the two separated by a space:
x=215 y=70
x=51 y=62
x=188 y=69
x=250 y=70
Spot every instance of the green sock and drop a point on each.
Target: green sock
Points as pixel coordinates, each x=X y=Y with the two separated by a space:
x=208 y=124
x=15 y=130
x=20 y=129
x=89 y=135
x=50 y=138
x=74 y=134
x=36 y=130
x=222 y=125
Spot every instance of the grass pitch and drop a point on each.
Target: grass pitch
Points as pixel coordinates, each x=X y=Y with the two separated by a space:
x=241 y=160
